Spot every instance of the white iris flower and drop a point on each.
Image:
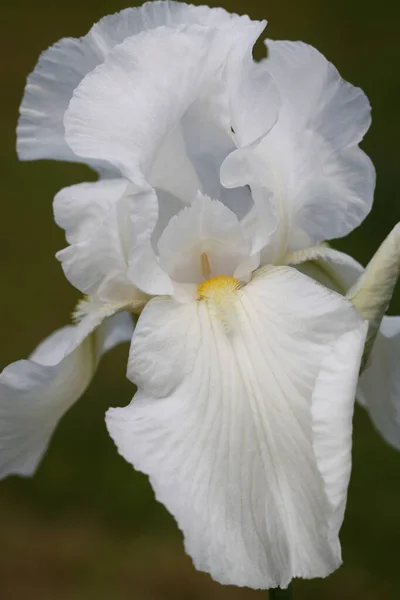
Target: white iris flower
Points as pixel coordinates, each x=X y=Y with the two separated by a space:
x=218 y=177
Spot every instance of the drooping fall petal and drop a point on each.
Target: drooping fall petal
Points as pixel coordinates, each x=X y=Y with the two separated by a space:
x=35 y=393
x=243 y=423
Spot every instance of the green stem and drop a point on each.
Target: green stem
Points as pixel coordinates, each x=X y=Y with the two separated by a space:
x=279 y=594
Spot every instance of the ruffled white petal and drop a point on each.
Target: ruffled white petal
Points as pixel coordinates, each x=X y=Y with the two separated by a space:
x=246 y=432
x=379 y=387
x=110 y=226
x=62 y=67
x=179 y=131
x=214 y=124
x=97 y=228
x=123 y=111
x=35 y=393
x=346 y=182
x=206 y=232
x=81 y=209
x=322 y=120
x=104 y=224
x=49 y=88
x=320 y=182
x=314 y=95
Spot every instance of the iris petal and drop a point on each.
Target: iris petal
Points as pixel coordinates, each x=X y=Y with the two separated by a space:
x=35 y=393
x=246 y=431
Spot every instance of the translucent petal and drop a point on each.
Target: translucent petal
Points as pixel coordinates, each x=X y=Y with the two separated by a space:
x=123 y=111
x=321 y=184
x=246 y=431
x=62 y=67
x=35 y=393
x=49 y=88
x=314 y=95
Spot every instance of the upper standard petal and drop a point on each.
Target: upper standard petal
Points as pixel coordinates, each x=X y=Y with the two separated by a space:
x=314 y=96
x=328 y=182
x=309 y=165
x=62 y=67
x=246 y=431
x=123 y=111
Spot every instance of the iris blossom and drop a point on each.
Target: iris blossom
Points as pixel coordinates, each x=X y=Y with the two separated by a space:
x=219 y=179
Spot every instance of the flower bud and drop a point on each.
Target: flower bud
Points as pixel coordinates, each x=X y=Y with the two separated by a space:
x=372 y=292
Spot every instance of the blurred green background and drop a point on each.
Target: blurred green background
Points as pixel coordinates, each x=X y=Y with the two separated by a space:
x=87 y=527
